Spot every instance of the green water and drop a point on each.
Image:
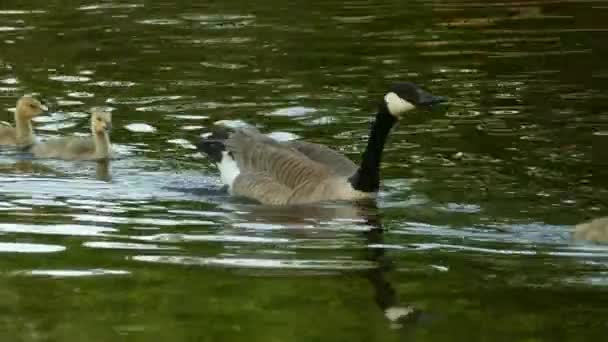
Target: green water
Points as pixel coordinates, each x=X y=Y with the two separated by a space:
x=470 y=235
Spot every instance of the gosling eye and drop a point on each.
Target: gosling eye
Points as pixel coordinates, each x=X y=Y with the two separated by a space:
x=99 y=119
x=33 y=106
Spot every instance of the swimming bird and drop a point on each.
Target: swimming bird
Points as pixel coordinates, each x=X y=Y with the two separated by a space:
x=595 y=230
x=258 y=167
x=94 y=147
x=22 y=135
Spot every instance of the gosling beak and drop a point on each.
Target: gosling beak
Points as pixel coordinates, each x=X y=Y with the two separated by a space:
x=44 y=108
x=427 y=99
x=109 y=127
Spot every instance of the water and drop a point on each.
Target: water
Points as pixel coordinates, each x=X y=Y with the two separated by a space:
x=470 y=238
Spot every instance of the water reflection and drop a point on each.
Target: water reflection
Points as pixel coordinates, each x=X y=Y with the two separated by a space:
x=15 y=247
x=28 y=166
x=34 y=167
x=401 y=314
x=327 y=224
x=102 y=171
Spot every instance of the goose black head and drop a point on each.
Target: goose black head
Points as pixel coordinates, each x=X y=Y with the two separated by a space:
x=406 y=96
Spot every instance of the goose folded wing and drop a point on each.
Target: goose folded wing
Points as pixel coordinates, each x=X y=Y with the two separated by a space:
x=261 y=187
x=257 y=153
x=334 y=161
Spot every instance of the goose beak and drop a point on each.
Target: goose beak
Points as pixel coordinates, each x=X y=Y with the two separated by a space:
x=427 y=99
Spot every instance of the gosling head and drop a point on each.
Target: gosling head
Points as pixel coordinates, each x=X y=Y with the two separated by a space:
x=28 y=107
x=101 y=122
x=406 y=96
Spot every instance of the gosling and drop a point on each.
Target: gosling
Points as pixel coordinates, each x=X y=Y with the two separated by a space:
x=94 y=147
x=22 y=135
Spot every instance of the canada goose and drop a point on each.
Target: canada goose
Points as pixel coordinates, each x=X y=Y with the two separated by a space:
x=255 y=166
x=95 y=147
x=594 y=230
x=22 y=135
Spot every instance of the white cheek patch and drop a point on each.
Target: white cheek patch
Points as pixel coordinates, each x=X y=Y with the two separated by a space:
x=396 y=105
x=229 y=170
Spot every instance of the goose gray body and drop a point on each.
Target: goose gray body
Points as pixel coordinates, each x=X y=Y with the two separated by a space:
x=258 y=167
x=279 y=173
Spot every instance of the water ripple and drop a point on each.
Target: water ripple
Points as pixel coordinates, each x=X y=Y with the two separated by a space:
x=108 y=6
x=160 y=21
x=176 y=238
x=293 y=111
x=139 y=220
x=16 y=247
x=69 y=79
x=56 y=229
x=140 y=128
x=126 y=246
x=331 y=265
x=71 y=273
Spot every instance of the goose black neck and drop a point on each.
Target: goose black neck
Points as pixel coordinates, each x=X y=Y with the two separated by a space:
x=367 y=177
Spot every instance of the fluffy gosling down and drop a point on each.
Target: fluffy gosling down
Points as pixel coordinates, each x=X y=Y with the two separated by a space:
x=94 y=147
x=257 y=167
x=22 y=135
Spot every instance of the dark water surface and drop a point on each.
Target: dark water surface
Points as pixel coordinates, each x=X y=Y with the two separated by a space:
x=469 y=239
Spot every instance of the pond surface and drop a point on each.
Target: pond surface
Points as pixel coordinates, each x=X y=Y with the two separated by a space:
x=470 y=238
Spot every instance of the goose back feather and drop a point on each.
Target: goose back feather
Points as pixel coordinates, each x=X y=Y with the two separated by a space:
x=337 y=163
x=68 y=148
x=257 y=153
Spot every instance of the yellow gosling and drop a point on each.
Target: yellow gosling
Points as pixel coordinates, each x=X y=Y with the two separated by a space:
x=94 y=147
x=22 y=135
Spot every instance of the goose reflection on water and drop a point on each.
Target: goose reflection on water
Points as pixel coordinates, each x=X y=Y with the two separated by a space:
x=29 y=166
x=374 y=264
